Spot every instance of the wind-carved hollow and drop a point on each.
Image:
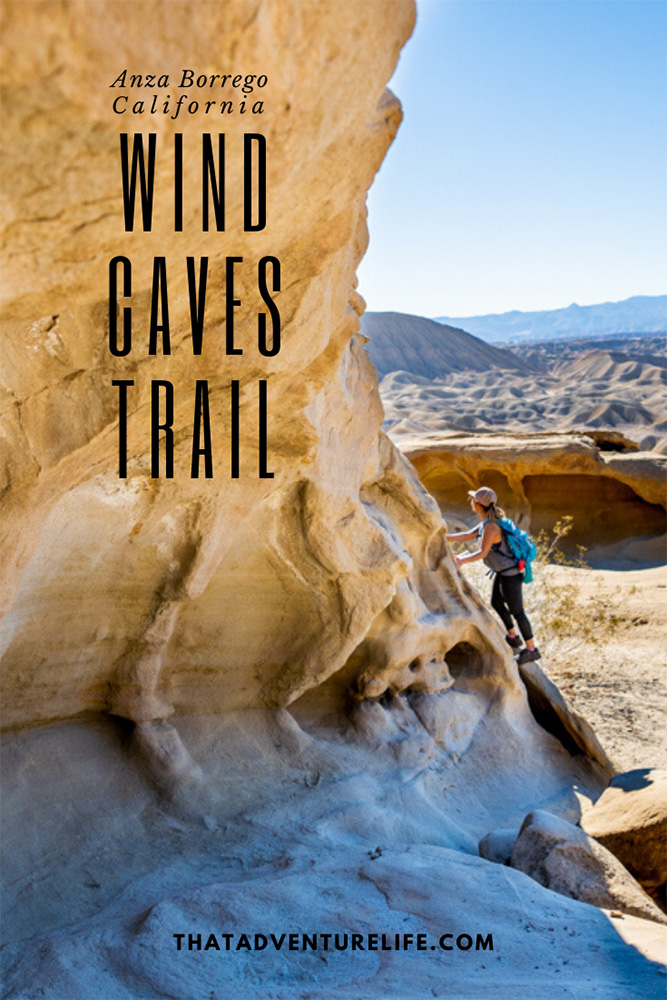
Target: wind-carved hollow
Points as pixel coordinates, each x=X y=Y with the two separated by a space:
x=399 y=658
x=606 y=440
x=450 y=488
x=605 y=510
x=335 y=701
x=330 y=705
x=465 y=661
x=425 y=673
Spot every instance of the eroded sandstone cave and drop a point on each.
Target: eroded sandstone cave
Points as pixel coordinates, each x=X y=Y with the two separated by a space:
x=614 y=496
x=605 y=510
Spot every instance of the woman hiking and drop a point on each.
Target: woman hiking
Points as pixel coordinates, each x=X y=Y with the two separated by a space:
x=506 y=595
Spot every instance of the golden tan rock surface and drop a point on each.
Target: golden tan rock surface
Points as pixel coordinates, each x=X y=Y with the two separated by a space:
x=630 y=820
x=567 y=860
x=119 y=593
x=146 y=596
x=614 y=497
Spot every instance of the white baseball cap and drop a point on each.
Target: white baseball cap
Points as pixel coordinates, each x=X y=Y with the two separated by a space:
x=484 y=495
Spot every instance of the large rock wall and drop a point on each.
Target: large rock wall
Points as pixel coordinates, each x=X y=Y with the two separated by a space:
x=143 y=596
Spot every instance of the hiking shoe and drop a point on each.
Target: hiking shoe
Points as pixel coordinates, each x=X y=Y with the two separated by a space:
x=513 y=640
x=528 y=655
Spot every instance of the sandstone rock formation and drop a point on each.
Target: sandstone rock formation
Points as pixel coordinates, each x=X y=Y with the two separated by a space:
x=497 y=846
x=554 y=713
x=615 y=498
x=173 y=571
x=556 y=429
x=221 y=694
x=630 y=820
x=562 y=857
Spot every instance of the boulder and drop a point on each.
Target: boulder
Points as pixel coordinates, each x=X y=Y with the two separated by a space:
x=630 y=820
x=498 y=846
x=564 y=858
x=557 y=716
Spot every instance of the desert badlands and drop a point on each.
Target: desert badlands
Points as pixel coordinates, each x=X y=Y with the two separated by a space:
x=262 y=739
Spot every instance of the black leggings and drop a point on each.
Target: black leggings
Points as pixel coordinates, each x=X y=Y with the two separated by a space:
x=507 y=600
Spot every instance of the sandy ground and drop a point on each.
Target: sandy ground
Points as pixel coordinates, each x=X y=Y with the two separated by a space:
x=619 y=683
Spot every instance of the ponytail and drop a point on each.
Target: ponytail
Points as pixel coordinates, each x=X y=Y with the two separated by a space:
x=494 y=512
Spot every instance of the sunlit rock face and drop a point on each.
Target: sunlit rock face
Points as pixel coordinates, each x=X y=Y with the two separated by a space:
x=315 y=588
x=143 y=595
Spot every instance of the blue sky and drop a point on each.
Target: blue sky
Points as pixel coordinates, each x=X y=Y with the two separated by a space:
x=530 y=170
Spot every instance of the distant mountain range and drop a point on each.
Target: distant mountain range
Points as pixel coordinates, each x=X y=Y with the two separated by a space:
x=428 y=349
x=640 y=314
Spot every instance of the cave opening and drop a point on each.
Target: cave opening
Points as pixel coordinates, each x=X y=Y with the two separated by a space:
x=449 y=489
x=513 y=504
x=605 y=511
x=464 y=660
x=612 y=441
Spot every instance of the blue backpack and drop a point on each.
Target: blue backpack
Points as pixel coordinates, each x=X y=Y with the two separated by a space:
x=521 y=546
